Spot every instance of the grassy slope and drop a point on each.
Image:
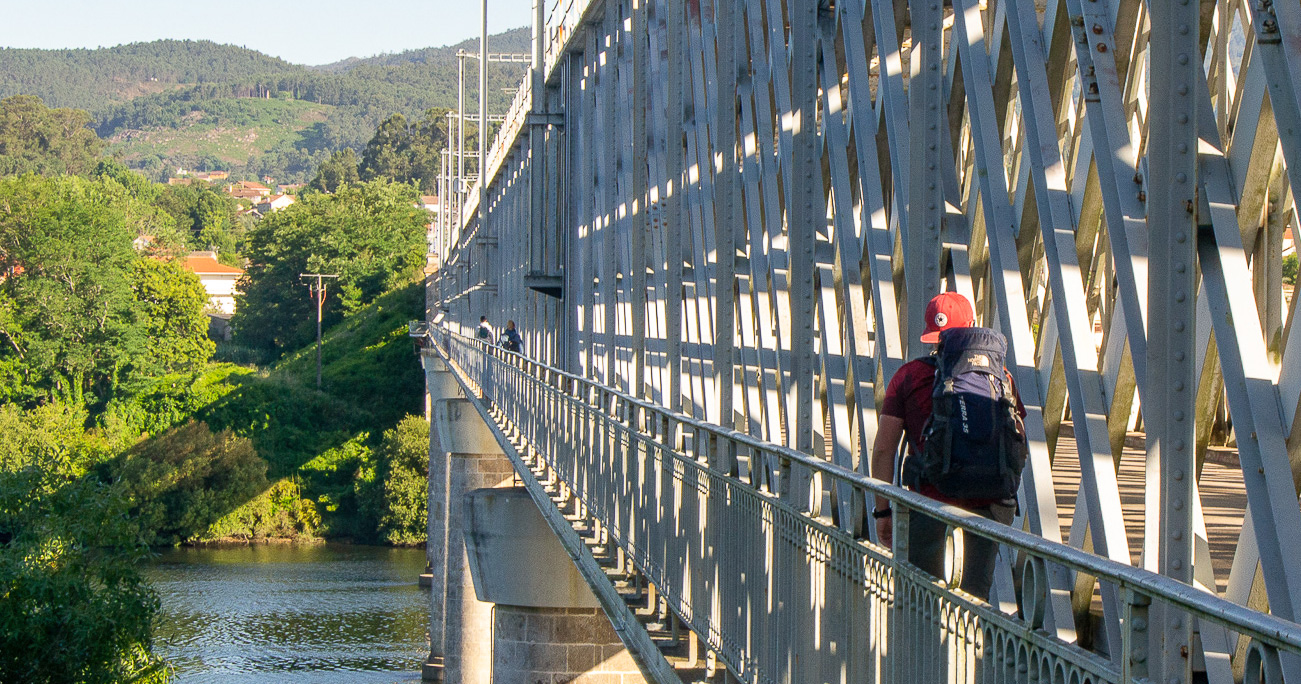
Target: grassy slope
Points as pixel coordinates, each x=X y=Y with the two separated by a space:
x=322 y=439
x=259 y=126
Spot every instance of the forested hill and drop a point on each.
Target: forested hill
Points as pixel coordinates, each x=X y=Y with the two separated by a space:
x=515 y=40
x=94 y=79
x=198 y=105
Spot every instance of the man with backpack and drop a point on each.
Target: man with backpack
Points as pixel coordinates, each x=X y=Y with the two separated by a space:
x=484 y=331
x=966 y=441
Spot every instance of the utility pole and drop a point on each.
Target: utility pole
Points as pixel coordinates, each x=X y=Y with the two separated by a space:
x=318 y=291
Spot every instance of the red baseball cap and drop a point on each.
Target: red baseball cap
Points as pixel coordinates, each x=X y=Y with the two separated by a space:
x=946 y=310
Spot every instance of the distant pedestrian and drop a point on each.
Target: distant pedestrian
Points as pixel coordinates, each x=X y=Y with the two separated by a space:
x=511 y=340
x=485 y=331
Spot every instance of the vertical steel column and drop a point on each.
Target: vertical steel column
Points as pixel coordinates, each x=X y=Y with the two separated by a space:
x=805 y=211
x=536 y=166
x=483 y=118
x=636 y=198
x=726 y=220
x=1172 y=221
x=675 y=209
x=926 y=194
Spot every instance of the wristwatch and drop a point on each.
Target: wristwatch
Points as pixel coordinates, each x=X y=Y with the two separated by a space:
x=882 y=513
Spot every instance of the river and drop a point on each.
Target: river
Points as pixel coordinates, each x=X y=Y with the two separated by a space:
x=318 y=614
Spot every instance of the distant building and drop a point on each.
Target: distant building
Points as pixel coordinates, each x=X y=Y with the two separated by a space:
x=143 y=242
x=218 y=279
x=247 y=196
x=430 y=203
x=210 y=176
x=275 y=203
x=179 y=181
x=250 y=186
x=290 y=189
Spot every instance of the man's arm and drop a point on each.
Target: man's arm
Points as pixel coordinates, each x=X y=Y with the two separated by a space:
x=889 y=430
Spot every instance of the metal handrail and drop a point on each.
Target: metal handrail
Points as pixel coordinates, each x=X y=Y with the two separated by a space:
x=516 y=385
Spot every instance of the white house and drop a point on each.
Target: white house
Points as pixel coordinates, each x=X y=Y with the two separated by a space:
x=217 y=278
x=275 y=203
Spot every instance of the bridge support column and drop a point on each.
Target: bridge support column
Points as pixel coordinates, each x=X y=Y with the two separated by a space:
x=547 y=625
x=472 y=460
x=440 y=385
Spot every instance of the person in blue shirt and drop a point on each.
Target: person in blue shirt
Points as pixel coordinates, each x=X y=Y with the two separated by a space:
x=511 y=340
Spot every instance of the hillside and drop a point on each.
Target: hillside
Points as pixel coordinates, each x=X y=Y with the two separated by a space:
x=96 y=79
x=514 y=40
x=200 y=105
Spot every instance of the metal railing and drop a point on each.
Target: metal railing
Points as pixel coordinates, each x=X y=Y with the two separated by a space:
x=772 y=565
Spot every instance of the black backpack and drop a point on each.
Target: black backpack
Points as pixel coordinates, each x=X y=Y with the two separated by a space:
x=974 y=445
x=483 y=333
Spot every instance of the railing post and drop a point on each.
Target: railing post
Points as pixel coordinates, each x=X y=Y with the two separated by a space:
x=896 y=640
x=1135 y=638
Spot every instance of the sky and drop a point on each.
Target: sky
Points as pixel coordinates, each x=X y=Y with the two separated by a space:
x=310 y=33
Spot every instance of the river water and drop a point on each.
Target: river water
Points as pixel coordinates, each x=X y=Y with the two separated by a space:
x=319 y=614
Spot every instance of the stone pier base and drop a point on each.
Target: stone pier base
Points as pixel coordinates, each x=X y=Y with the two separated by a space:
x=558 y=646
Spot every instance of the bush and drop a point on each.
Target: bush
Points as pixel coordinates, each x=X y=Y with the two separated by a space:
x=1290 y=269
x=278 y=513
x=184 y=480
x=74 y=609
x=404 y=484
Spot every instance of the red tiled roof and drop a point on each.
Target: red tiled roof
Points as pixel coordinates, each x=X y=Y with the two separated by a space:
x=203 y=263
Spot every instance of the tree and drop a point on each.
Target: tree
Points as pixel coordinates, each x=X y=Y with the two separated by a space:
x=207 y=217
x=75 y=608
x=35 y=138
x=184 y=480
x=68 y=315
x=407 y=152
x=404 y=469
x=339 y=170
x=172 y=306
x=371 y=234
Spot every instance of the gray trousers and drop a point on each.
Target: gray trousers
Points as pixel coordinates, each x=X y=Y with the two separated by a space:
x=926 y=548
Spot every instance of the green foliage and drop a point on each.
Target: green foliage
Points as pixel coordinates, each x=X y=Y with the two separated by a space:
x=206 y=216
x=325 y=442
x=36 y=139
x=371 y=235
x=170 y=400
x=339 y=170
x=184 y=480
x=172 y=301
x=72 y=606
x=407 y=152
x=1290 y=269
x=81 y=314
x=280 y=512
x=404 y=488
x=68 y=315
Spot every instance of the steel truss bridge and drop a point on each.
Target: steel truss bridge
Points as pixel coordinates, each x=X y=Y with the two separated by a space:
x=717 y=222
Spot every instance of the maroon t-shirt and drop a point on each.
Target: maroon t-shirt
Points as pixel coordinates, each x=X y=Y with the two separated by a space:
x=908 y=397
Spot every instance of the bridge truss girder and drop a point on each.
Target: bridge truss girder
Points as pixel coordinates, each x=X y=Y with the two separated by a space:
x=737 y=209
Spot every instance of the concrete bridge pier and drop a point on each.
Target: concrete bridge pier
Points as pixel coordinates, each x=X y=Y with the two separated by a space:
x=440 y=385
x=547 y=625
x=467 y=458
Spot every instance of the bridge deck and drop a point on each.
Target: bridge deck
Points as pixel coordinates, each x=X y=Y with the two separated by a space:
x=1223 y=496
